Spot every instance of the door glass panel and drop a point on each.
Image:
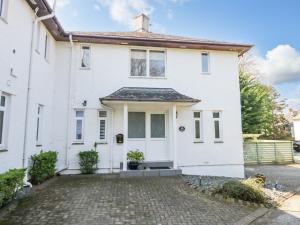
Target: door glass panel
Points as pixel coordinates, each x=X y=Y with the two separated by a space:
x=136 y=125
x=158 y=126
x=197 y=129
x=1 y=125
x=217 y=129
x=78 y=129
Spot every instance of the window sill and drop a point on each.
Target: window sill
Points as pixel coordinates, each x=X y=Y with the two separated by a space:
x=205 y=73
x=147 y=77
x=78 y=143
x=3 y=150
x=38 y=145
x=220 y=142
x=84 y=68
x=198 y=142
x=101 y=143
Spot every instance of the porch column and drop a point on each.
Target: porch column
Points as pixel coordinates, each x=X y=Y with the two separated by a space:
x=125 y=133
x=174 y=136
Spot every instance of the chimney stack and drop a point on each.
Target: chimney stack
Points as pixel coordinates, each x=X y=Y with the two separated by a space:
x=141 y=23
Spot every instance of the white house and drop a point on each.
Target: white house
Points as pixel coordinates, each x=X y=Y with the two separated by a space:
x=174 y=98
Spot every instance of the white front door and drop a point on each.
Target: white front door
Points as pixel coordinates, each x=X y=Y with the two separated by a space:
x=148 y=132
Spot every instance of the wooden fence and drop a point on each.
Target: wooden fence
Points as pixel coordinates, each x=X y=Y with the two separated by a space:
x=268 y=152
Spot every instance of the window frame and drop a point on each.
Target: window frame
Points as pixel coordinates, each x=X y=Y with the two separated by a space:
x=150 y=126
x=81 y=55
x=208 y=63
x=148 y=50
x=198 y=140
x=99 y=126
x=5 y=125
x=39 y=125
x=4 y=10
x=82 y=127
x=137 y=139
x=220 y=139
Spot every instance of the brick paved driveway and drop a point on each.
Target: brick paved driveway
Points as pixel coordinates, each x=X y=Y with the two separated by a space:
x=91 y=200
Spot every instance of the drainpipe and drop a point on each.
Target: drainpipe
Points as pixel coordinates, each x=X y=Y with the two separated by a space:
x=68 y=133
x=29 y=82
x=112 y=136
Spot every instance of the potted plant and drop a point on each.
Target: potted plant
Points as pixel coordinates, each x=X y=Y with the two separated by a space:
x=135 y=158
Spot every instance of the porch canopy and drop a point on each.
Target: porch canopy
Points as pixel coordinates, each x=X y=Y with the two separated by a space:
x=145 y=94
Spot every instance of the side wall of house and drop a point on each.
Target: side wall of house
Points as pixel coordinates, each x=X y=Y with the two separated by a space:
x=296 y=124
x=218 y=91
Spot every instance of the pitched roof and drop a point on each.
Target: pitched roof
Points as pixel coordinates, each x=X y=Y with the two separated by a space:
x=132 y=38
x=145 y=94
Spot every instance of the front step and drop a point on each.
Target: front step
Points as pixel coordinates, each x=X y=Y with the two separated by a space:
x=151 y=173
x=153 y=165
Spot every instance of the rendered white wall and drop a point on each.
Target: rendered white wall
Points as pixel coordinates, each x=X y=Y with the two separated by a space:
x=297 y=129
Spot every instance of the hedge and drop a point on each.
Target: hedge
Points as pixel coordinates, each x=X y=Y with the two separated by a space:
x=10 y=182
x=42 y=166
x=88 y=161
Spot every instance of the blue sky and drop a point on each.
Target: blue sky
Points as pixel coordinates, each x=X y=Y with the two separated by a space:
x=271 y=25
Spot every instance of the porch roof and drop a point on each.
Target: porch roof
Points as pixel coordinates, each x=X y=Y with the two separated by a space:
x=145 y=94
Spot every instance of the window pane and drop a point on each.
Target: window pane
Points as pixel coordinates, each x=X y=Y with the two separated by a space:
x=136 y=125
x=78 y=129
x=205 y=57
x=79 y=113
x=1 y=7
x=2 y=102
x=85 y=60
x=157 y=126
x=102 y=113
x=196 y=114
x=216 y=115
x=157 y=63
x=217 y=129
x=1 y=125
x=46 y=47
x=197 y=129
x=37 y=129
x=138 y=63
x=102 y=129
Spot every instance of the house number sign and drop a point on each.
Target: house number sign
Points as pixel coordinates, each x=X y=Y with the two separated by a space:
x=181 y=128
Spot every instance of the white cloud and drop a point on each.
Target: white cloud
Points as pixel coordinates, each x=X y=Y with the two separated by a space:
x=60 y=3
x=170 y=14
x=281 y=64
x=123 y=11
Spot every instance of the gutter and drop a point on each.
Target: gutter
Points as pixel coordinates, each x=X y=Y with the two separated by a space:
x=29 y=83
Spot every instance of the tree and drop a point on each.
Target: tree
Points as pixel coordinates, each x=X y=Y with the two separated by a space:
x=262 y=111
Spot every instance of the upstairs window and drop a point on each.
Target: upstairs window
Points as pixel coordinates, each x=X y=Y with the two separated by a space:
x=138 y=63
x=205 y=62
x=147 y=63
x=197 y=127
x=46 y=47
x=39 y=124
x=217 y=126
x=102 y=125
x=79 y=124
x=85 y=62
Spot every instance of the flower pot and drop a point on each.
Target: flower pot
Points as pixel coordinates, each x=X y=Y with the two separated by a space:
x=132 y=165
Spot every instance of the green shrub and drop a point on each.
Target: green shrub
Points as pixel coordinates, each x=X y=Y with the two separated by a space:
x=88 y=161
x=10 y=182
x=135 y=156
x=42 y=167
x=248 y=190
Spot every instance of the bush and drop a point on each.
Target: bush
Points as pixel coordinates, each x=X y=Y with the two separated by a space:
x=248 y=190
x=88 y=161
x=42 y=167
x=10 y=182
x=135 y=156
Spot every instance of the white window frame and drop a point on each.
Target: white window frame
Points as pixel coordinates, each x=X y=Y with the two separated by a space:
x=47 y=47
x=38 y=37
x=81 y=55
x=39 y=125
x=5 y=109
x=102 y=118
x=208 y=61
x=4 y=10
x=75 y=125
x=220 y=139
x=198 y=140
x=160 y=113
x=148 y=50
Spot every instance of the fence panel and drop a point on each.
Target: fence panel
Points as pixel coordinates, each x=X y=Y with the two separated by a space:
x=268 y=152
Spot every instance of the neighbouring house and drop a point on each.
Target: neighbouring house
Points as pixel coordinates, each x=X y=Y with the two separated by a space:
x=296 y=126
x=174 y=98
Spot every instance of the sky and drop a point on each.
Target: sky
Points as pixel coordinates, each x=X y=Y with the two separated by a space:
x=272 y=26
